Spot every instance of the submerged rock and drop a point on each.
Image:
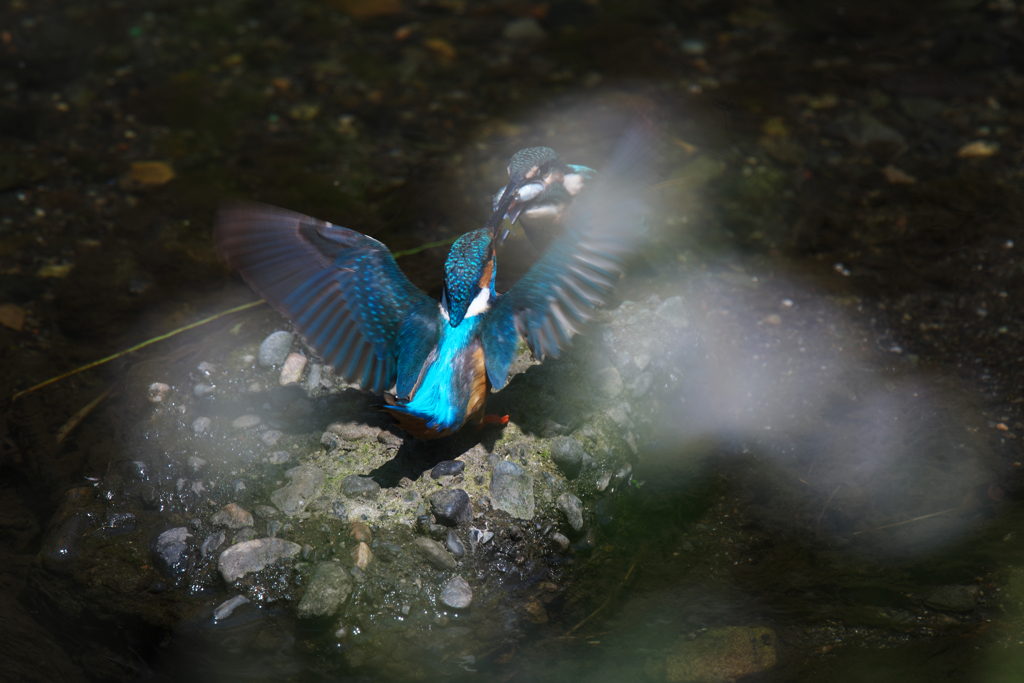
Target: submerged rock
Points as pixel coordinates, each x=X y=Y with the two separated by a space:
x=355 y=486
x=433 y=553
x=274 y=349
x=512 y=490
x=573 y=509
x=252 y=556
x=307 y=482
x=171 y=551
x=457 y=593
x=233 y=516
x=328 y=590
x=954 y=598
x=225 y=608
x=720 y=654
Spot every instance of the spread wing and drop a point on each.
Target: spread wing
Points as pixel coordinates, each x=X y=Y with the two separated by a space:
x=580 y=269
x=342 y=290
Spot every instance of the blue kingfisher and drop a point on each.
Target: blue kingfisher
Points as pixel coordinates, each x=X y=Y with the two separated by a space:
x=345 y=294
x=543 y=187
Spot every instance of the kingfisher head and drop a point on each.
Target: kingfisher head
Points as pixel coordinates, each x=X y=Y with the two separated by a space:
x=468 y=277
x=532 y=172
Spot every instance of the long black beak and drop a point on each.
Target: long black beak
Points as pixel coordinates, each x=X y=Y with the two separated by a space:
x=507 y=204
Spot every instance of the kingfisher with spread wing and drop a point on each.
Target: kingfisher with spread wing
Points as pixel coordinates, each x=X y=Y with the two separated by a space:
x=346 y=295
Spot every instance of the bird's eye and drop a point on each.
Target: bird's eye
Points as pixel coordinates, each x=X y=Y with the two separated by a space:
x=528 y=192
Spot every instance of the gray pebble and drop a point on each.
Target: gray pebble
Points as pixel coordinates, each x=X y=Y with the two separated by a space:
x=274 y=349
x=389 y=439
x=954 y=598
x=672 y=310
x=201 y=390
x=171 y=551
x=451 y=507
x=603 y=481
x=244 y=534
x=609 y=381
x=512 y=490
x=525 y=30
x=433 y=553
x=328 y=590
x=457 y=593
x=279 y=457
x=273 y=526
x=252 y=556
x=196 y=463
x=158 y=391
x=307 y=481
x=206 y=368
x=561 y=541
x=201 y=424
x=447 y=468
x=572 y=507
x=233 y=516
x=355 y=486
x=454 y=545
x=246 y=421
x=225 y=608
x=213 y=543
x=567 y=454
x=271 y=436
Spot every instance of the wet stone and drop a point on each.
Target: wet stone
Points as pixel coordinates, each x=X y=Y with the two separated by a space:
x=307 y=481
x=328 y=590
x=451 y=507
x=362 y=555
x=721 y=654
x=279 y=457
x=201 y=390
x=478 y=537
x=224 y=609
x=457 y=593
x=246 y=421
x=348 y=431
x=213 y=543
x=560 y=541
x=171 y=551
x=572 y=507
x=355 y=486
x=603 y=481
x=609 y=381
x=567 y=454
x=954 y=599
x=60 y=549
x=433 y=553
x=196 y=463
x=201 y=424
x=360 y=532
x=243 y=535
x=454 y=545
x=389 y=439
x=271 y=436
x=673 y=311
x=447 y=468
x=274 y=349
x=512 y=490
x=291 y=371
x=158 y=391
x=252 y=556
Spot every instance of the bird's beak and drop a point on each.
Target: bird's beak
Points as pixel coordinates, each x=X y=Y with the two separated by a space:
x=505 y=204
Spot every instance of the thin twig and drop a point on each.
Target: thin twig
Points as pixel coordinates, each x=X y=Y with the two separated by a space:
x=63 y=432
x=170 y=334
x=827 y=503
x=906 y=521
x=609 y=598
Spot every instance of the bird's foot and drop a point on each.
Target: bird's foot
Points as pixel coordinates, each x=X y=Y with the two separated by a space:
x=494 y=419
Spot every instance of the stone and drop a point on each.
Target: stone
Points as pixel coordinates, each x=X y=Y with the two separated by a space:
x=224 y=609
x=447 y=468
x=201 y=424
x=201 y=390
x=196 y=463
x=274 y=349
x=171 y=551
x=328 y=590
x=512 y=490
x=254 y=555
x=348 y=431
x=451 y=507
x=246 y=421
x=526 y=29
x=862 y=129
x=457 y=593
x=360 y=532
x=307 y=481
x=291 y=370
x=572 y=508
x=389 y=439
x=454 y=545
x=721 y=654
x=561 y=541
x=673 y=311
x=271 y=436
x=609 y=381
x=355 y=486
x=567 y=454
x=279 y=457
x=213 y=543
x=604 y=511
x=60 y=549
x=954 y=599
x=233 y=516
x=361 y=555
x=433 y=553
x=158 y=391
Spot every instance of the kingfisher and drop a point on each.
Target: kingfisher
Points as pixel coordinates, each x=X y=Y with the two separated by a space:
x=434 y=361
x=544 y=186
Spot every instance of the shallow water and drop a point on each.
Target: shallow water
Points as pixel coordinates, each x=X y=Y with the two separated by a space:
x=825 y=444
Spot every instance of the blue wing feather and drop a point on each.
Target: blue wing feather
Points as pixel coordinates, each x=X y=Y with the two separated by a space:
x=579 y=270
x=342 y=290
